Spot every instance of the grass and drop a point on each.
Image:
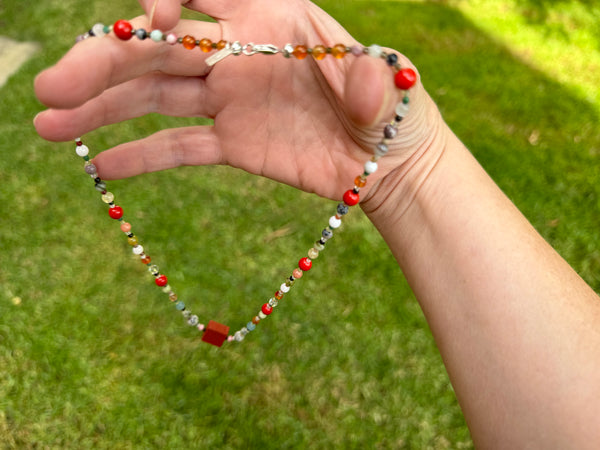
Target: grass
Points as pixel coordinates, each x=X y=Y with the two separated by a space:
x=91 y=357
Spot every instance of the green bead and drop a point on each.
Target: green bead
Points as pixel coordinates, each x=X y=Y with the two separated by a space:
x=405 y=100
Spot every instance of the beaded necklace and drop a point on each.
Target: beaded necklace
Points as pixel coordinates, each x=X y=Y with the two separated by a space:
x=216 y=333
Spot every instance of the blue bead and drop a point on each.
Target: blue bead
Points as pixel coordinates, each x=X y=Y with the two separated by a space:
x=180 y=306
x=250 y=326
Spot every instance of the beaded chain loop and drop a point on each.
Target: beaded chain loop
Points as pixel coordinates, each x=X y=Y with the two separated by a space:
x=216 y=333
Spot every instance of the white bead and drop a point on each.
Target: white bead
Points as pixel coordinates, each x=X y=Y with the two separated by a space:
x=370 y=167
x=171 y=39
x=238 y=336
x=82 y=150
x=334 y=222
x=156 y=35
x=374 y=51
x=98 y=30
x=283 y=288
x=402 y=109
x=138 y=250
x=262 y=315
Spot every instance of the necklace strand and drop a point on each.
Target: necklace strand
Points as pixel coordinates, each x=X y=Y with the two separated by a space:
x=214 y=332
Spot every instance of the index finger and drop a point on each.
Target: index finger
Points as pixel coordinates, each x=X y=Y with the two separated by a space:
x=96 y=64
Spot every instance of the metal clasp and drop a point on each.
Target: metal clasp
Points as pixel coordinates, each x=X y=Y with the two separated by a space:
x=266 y=49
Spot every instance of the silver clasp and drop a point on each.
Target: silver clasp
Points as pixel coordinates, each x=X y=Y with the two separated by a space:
x=266 y=49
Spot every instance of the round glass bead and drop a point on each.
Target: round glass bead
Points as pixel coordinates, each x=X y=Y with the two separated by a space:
x=374 y=51
x=171 y=39
x=167 y=289
x=405 y=78
x=381 y=149
x=109 y=198
x=334 y=222
x=313 y=253
x=90 y=169
x=123 y=30
x=141 y=34
x=116 y=212
x=273 y=302
x=351 y=198
x=186 y=314
x=360 y=181
x=297 y=273
x=402 y=109
x=180 y=306
x=278 y=295
x=255 y=320
x=305 y=264
x=319 y=52
x=267 y=309
x=161 y=280
x=327 y=234
x=145 y=259
x=137 y=250
x=356 y=50
x=201 y=327
x=156 y=35
x=390 y=131
x=153 y=269
x=82 y=150
x=125 y=226
x=173 y=296
x=370 y=167
x=100 y=187
x=133 y=241
x=262 y=315
x=189 y=42
x=193 y=321
x=205 y=45
x=300 y=51
x=238 y=336
x=222 y=44
x=250 y=326
x=98 y=30
x=319 y=246
x=392 y=59
x=338 y=51
x=342 y=209
x=284 y=288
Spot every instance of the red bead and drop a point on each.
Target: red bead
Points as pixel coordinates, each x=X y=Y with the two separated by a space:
x=161 y=280
x=215 y=333
x=305 y=264
x=405 y=78
x=123 y=30
x=116 y=212
x=266 y=309
x=351 y=198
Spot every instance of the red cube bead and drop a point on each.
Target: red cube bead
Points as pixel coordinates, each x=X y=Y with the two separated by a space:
x=305 y=264
x=161 y=280
x=351 y=198
x=267 y=309
x=215 y=333
x=116 y=212
x=123 y=30
x=405 y=78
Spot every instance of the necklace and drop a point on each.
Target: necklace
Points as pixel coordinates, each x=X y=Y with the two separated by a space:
x=216 y=333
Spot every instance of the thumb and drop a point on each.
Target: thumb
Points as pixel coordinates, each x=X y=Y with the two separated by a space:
x=162 y=14
x=370 y=94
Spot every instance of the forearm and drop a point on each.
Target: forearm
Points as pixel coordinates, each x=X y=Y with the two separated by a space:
x=518 y=330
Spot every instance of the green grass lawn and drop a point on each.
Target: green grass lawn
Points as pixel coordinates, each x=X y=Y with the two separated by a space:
x=92 y=356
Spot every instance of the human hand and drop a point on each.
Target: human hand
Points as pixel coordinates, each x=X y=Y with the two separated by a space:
x=305 y=123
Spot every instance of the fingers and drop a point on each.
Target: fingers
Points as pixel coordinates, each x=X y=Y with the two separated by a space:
x=97 y=64
x=166 y=149
x=164 y=14
x=164 y=94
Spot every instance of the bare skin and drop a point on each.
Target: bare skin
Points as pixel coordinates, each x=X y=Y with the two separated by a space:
x=518 y=329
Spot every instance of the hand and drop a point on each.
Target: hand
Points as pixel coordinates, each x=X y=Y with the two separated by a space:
x=305 y=123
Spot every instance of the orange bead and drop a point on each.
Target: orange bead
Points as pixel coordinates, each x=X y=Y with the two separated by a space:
x=339 y=51
x=278 y=295
x=300 y=51
x=146 y=260
x=255 y=320
x=189 y=42
x=221 y=44
x=360 y=182
x=206 y=45
x=319 y=52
